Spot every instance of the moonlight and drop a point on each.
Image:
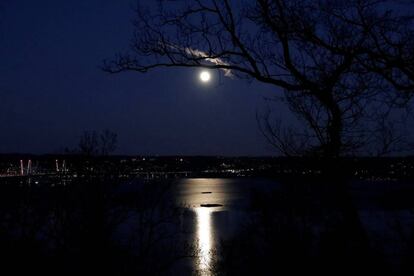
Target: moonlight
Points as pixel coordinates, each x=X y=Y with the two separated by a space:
x=205 y=76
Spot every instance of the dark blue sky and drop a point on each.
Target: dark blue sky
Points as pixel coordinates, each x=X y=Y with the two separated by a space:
x=51 y=88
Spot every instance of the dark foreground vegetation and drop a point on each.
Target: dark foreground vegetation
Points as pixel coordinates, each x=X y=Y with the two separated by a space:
x=91 y=226
x=104 y=224
x=314 y=228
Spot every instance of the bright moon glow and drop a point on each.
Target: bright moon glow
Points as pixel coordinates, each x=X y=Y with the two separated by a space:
x=205 y=76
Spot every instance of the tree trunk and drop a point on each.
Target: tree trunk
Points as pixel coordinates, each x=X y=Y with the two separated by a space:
x=349 y=228
x=333 y=146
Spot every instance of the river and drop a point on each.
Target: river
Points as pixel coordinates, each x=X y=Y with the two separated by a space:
x=219 y=207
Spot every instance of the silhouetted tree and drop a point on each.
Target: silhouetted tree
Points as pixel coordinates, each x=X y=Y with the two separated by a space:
x=390 y=54
x=379 y=133
x=312 y=51
x=109 y=141
x=309 y=49
x=285 y=139
x=88 y=143
x=93 y=144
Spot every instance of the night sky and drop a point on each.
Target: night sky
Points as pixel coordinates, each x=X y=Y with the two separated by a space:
x=52 y=89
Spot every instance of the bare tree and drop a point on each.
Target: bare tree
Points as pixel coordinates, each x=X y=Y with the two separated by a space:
x=285 y=139
x=108 y=141
x=91 y=143
x=391 y=54
x=88 y=143
x=312 y=50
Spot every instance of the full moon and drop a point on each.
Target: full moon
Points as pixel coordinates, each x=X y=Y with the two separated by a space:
x=205 y=76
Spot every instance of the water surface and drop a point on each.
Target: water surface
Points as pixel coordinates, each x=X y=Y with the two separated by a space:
x=231 y=200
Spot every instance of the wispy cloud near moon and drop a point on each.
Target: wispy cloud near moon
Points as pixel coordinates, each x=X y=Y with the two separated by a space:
x=195 y=53
x=217 y=61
